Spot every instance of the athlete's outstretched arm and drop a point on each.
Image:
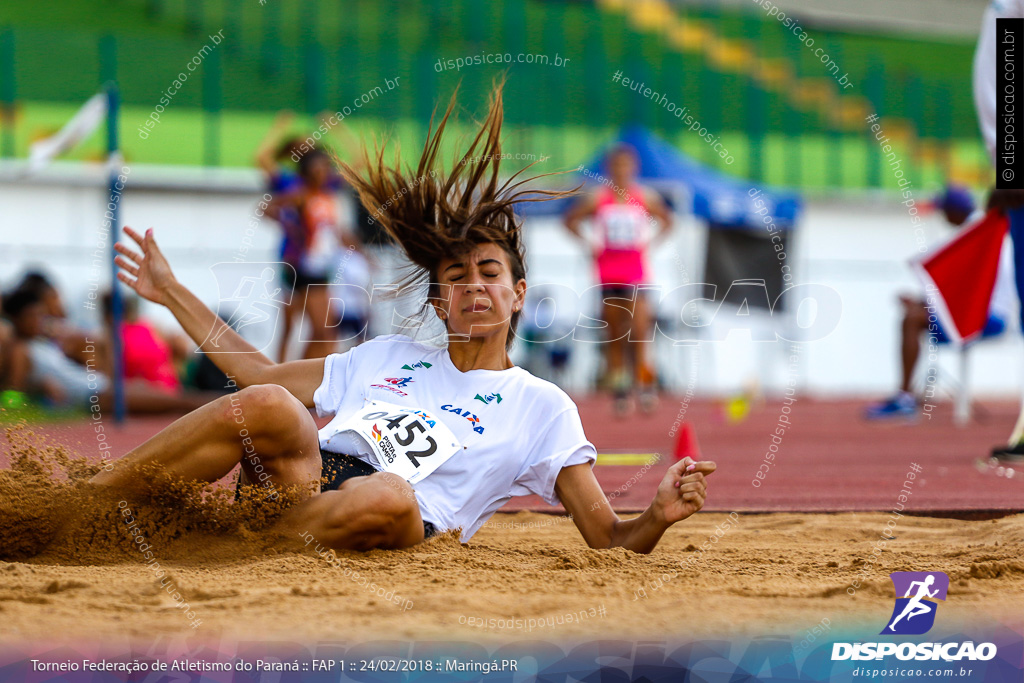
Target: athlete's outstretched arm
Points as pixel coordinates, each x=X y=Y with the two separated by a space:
x=680 y=494
x=583 y=208
x=657 y=208
x=150 y=275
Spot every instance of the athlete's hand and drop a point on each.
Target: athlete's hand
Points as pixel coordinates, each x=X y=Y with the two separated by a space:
x=682 y=491
x=147 y=273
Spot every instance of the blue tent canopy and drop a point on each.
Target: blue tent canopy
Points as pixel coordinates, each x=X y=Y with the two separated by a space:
x=723 y=201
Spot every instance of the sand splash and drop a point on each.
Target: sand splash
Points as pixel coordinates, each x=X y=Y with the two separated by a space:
x=50 y=511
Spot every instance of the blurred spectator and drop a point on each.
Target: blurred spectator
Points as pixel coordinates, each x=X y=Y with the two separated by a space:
x=313 y=256
x=282 y=178
x=6 y=343
x=38 y=366
x=148 y=354
x=627 y=218
x=55 y=324
x=957 y=206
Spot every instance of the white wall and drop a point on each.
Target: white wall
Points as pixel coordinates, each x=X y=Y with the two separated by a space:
x=857 y=246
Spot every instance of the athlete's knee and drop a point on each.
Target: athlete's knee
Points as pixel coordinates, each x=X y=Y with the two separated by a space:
x=264 y=409
x=385 y=518
x=394 y=499
x=264 y=399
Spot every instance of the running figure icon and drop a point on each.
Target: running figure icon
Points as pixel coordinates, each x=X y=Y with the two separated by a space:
x=917 y=594
x=916 y=606
x=253 y=303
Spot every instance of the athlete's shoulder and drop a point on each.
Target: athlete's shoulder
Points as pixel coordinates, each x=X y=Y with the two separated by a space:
x=387 y=343
x=380 y=349
x=549 y=397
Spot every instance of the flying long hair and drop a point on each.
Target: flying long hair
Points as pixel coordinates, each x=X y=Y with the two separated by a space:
x=435 y=215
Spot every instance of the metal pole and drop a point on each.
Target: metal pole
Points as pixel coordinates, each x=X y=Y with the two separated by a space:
x=7 y=91
x=117 y=305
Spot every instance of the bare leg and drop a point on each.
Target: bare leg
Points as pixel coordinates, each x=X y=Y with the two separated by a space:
x=207 y=443
x=915 y=321
x=322 y=337
x=618 y=319
x=639 y=334
x=296 y=306
x=378 y=511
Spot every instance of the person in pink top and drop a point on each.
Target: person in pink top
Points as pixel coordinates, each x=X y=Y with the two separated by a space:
x=626 y=217
x=147 y=355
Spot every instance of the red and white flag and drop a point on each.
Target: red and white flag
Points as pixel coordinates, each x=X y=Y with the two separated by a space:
x=962 y=274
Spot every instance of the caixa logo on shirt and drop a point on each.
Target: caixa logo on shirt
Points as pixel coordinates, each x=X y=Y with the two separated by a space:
x=474 y=420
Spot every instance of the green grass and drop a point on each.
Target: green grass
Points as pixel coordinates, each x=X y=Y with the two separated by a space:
x=811 y=161
x=314 y=55
x=34 y=414
x=308 y=55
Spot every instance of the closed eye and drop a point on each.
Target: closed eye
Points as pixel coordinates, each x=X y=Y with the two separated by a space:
x=456 y=278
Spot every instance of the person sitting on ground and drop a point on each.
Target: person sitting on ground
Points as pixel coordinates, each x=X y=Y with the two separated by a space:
x=957 y=206
x=39 y=367
x=6 y=342
x=149 y=355
x=70 y=339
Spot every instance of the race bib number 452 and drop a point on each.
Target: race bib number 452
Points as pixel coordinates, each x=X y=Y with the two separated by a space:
x=406 y=441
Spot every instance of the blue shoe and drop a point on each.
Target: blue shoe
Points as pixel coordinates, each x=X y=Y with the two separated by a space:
x=902 y=405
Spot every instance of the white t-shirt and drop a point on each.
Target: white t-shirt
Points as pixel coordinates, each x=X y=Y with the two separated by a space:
x=517 y=431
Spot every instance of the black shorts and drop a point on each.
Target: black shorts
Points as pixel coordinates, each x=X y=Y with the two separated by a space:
x=616 y=291
x=338 y=468
x=299 y=281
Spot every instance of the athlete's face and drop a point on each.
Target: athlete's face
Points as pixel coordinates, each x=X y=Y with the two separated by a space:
x=477 y=293
x=622 y=168
x=319 y=172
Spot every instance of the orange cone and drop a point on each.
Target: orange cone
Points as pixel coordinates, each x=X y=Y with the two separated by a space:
x=686 y=443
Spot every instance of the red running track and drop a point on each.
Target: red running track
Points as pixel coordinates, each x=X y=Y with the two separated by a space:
x=829 y=459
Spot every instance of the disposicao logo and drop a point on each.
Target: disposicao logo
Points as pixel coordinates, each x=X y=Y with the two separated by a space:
x=488 y=398
x=914 y=614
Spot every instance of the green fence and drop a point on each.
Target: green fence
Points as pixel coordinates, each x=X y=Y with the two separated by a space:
x=317 y=55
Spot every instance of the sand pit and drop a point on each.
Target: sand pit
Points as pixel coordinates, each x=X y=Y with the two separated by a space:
x=71 y=571
x=768 y=573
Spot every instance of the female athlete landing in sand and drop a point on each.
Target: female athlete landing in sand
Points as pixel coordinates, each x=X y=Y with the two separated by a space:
x=433 y=439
